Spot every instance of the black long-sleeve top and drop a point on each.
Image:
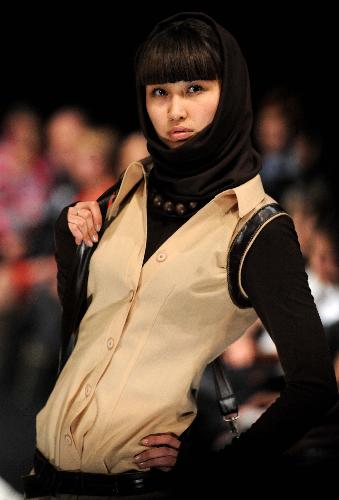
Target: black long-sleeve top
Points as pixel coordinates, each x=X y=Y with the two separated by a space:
x=274 y=278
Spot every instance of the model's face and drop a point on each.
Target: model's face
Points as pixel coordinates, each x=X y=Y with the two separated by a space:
x=178 y=111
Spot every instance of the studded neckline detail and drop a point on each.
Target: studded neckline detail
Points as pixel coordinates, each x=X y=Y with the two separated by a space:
x=171 y=207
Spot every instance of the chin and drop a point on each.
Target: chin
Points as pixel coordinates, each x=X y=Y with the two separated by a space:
x=174 y=144
x=177 y=144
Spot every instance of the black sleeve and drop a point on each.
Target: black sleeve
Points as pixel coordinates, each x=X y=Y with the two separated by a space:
x=274 y=278
x=65 y=248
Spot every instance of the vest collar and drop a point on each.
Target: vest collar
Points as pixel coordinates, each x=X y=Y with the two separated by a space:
x=247 y=195
x=129 y=178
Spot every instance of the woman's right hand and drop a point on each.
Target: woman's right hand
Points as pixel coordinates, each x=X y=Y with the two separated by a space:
x=161 y=452
x=84 y=222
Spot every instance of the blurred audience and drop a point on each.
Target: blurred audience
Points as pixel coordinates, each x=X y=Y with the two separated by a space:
x=94 y=162
x=277 y=126
x=78 y=162
x=25 y=180
x=323 y=269
x=43 y=169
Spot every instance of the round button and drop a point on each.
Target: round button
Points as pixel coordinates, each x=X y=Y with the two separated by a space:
x=68 y=439
x=110 y=343
x=161 y=256
x=131 y=295
x=88 y=390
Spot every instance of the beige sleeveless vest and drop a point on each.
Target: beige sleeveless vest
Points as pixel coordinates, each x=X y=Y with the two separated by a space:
x=148 y=333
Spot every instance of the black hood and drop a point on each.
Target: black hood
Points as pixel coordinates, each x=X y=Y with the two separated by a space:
x=221 y=156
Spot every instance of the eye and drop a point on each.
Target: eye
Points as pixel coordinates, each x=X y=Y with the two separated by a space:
x=193 y=89
x=158 y=91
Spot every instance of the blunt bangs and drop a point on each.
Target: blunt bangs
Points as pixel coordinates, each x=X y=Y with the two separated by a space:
x=186 y=51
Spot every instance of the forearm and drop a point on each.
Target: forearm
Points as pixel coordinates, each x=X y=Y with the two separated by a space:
x=274 y=278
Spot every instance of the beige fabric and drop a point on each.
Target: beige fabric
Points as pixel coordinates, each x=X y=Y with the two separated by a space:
x=148 y=333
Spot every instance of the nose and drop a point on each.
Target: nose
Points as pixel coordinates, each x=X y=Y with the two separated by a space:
x=176 y=109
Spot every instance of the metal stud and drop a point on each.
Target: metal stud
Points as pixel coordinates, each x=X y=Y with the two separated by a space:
x=168 y=206
x=180 y=208
x=157 y=200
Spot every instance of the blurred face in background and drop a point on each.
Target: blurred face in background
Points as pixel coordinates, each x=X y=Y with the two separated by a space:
x=133 y=148
x=93 y=156
x=304 y=224
x=63 y=134
x=323 y=260
x=272 y=131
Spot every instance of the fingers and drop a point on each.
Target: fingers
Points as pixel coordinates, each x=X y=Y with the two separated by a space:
x=84 y=222
x=162 y=451
x=162 y=457
x=161 y=439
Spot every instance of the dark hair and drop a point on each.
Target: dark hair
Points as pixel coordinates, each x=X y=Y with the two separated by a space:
x=183 y=50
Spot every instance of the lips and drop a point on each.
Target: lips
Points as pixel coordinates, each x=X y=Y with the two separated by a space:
x=180 y=133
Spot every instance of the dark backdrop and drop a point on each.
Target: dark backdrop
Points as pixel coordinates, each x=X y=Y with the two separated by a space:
x=53 y=57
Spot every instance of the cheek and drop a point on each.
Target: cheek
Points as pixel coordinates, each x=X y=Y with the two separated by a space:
x=209 y=112
x=154 y=116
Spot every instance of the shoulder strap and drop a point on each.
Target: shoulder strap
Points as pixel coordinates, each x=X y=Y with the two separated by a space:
x=227 y=401
x=240 y=245
x=226 y=398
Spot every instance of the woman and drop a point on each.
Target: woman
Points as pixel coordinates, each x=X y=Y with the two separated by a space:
x=171 y=283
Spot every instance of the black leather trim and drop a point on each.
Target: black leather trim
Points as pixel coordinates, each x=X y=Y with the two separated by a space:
x=239 y=246
x=75 y=301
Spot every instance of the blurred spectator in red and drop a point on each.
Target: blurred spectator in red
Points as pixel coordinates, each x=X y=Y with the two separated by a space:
x=25 y=180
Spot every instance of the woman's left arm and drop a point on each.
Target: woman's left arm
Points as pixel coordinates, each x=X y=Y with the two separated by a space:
x=274 y=278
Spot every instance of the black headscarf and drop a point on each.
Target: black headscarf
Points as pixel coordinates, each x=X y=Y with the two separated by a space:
x=219 y=157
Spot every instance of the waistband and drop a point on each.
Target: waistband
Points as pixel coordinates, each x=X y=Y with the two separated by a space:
x=47 y=480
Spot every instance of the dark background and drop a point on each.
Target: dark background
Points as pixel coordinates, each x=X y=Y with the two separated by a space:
x=53 y=57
